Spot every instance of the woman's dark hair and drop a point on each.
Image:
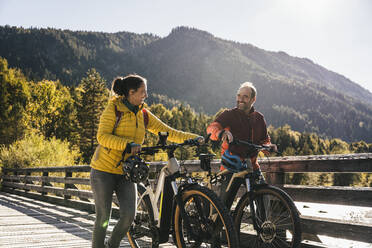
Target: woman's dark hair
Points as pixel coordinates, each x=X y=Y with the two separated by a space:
x=122 y=85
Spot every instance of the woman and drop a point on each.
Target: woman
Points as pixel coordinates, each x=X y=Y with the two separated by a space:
x=114 y=135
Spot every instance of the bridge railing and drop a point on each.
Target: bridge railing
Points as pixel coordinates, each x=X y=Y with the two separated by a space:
x=59 y=185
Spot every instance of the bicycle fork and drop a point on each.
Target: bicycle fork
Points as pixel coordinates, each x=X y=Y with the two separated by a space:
x=181 y=205
x=252 y=208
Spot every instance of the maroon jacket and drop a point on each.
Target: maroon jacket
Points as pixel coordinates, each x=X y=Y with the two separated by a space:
x=251 y=128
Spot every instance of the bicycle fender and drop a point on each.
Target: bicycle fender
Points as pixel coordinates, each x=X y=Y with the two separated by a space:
x=185 y=186
x=178 y=201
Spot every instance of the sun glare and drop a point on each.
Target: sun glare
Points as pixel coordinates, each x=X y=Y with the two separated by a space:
x=310 y=10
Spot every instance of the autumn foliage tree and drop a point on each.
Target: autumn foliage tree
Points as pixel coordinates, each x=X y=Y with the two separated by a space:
x=14 y=96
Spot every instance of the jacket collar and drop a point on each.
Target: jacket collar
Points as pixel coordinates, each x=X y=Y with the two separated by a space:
x=251 y=111
x=130 y=106
x=123 y=105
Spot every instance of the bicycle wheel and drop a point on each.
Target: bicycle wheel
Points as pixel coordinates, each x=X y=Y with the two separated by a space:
x=210 y=222
x=276 y=215
x=143 y=232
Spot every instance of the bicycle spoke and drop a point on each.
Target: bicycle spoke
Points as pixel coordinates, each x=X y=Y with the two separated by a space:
x=204 y=212
x=281 y=243
x=276 y=218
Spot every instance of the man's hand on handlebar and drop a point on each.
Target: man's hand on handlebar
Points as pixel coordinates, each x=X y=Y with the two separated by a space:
x=272 y=148
x=226 y=135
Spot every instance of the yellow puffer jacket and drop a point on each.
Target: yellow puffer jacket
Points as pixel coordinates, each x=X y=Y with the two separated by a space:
x=131 y=128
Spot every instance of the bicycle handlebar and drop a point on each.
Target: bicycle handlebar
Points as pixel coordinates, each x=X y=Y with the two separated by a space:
x=251 y=145
x=150 y=150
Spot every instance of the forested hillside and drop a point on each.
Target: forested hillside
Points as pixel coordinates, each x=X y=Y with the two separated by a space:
x=45 y=123
x=65 y=55
x=195 y=67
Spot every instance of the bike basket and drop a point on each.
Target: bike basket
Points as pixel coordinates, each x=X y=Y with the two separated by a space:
x=135 y=169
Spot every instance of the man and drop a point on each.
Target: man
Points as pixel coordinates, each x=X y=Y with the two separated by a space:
x=243 y=123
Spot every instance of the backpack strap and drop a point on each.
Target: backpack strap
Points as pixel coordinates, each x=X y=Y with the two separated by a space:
x=118 y=115
x=145 y=117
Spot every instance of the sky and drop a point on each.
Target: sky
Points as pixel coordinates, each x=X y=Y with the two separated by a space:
x=335 y=34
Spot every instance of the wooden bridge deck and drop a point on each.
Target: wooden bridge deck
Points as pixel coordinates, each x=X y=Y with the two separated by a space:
x=26 y=222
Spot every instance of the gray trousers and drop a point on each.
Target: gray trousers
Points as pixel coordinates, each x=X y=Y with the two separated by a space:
x=103 y=186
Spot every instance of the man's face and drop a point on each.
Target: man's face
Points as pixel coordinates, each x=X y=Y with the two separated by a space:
x=243 y=99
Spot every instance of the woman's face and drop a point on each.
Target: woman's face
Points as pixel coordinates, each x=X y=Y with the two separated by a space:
x=137 y=97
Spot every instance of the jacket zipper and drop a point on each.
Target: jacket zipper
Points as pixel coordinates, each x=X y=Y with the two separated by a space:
x=136 y=122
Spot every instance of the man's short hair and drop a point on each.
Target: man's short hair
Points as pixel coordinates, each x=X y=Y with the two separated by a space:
x=249 y=85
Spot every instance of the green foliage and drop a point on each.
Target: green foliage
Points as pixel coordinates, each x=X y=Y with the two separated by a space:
x=36 y=151
x=292 y=143
x=338 y=146
x=51 y=110
x=91 y=99
x=14 y=95
x=182 y=118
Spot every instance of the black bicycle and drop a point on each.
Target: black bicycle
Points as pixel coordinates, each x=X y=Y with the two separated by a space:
x=265 y=216
x=193 y=214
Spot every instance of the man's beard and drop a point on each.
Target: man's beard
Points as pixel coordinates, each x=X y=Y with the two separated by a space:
x=243 y=106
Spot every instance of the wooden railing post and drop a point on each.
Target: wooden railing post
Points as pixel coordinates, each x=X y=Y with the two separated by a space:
x=5 y=173
x=275 y=178
x=68 y=186
x=26 y=181
x=43 y=183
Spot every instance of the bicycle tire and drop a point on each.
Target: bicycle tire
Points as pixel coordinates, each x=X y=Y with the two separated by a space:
x=142 y=232
x=279 y=219
x=201 y=221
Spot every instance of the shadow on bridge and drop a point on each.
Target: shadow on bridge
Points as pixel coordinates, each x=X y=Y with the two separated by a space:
x=40 y=224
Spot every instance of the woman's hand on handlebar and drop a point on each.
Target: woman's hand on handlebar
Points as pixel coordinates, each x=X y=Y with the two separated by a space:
x=200 y=140
x=133 y=148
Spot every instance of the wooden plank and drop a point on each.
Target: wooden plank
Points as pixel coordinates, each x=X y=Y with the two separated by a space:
x=50 y=226
x=49 y=179
x=54 y=190
x=14 y=230
x=77 y=168
x=337 y=228
x=354 y=196
x=313 y=163
x=89 y=207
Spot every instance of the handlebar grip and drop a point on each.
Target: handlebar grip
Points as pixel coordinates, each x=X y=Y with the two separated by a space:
x=190 y=142
x=128 y=148
x=207 y=138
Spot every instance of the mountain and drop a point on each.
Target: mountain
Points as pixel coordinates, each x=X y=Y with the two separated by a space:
x=193 y=66
x=66 y=55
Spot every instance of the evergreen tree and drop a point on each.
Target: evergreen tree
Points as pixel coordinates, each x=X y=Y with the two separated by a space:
x=92 y=97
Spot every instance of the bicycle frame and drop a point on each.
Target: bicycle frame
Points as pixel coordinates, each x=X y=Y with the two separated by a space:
x=167 y=202
x=236 y=180
x=167 y=193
